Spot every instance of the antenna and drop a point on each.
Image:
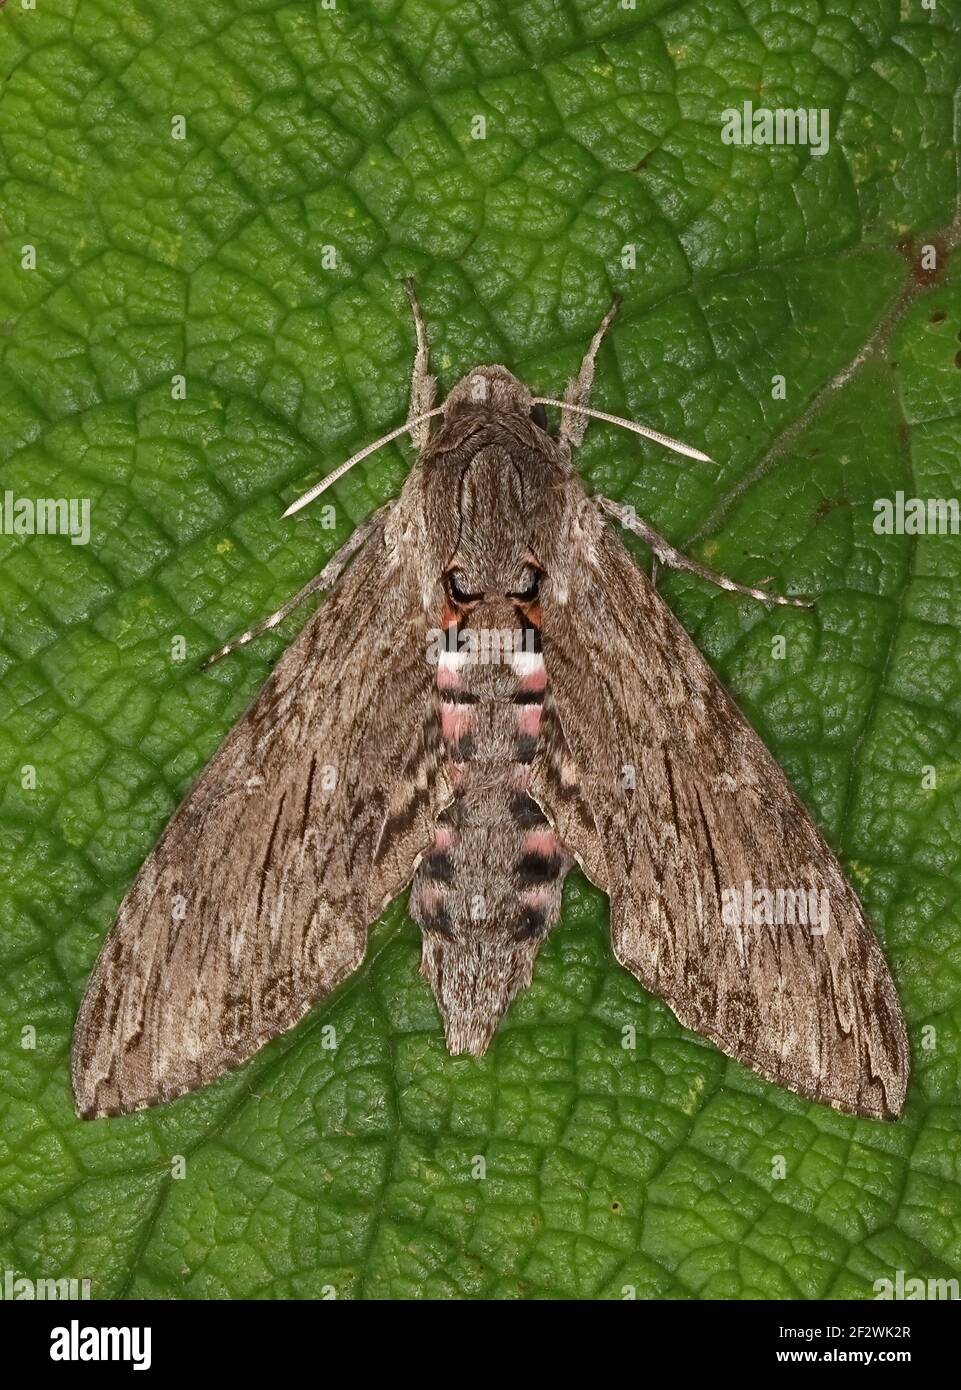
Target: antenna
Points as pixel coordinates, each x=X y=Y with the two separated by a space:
x=342 y=468
x=644 y=430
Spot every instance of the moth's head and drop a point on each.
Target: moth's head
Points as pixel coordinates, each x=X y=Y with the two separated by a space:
x=488 y=389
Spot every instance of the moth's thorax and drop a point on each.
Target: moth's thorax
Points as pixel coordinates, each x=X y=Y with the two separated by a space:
x=493 y=553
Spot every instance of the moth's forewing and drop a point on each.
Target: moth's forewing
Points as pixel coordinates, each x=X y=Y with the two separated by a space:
x=693 y=816
x=255 y=902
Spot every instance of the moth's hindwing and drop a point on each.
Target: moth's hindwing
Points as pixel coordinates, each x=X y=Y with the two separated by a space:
x=692 y=815
x=256 y=901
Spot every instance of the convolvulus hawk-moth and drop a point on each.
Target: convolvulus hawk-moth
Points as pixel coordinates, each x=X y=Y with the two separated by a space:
x=491 y=692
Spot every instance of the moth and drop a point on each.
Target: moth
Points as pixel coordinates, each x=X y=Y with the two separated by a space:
x=394 y=746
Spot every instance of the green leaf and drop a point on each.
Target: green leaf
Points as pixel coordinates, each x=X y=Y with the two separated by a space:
x=306 y=128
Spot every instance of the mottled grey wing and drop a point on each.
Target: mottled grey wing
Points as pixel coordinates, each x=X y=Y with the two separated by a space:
x=689 y=805
x=256 y=901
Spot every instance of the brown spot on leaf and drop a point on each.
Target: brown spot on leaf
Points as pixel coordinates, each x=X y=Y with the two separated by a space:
x=911 y=250
x=938 y=316
x=830 y=504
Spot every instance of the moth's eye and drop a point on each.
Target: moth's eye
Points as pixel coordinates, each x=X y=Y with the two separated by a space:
x=528 y=594
x=457 y=588
x=539 y=416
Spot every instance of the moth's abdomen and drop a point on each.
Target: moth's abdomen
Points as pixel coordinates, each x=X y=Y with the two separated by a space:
x=488 y=890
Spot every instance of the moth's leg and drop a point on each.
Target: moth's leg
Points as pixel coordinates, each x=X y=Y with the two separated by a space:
x=327 y=577
x=422 y=384
x=579 y=387
x=666 y=554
